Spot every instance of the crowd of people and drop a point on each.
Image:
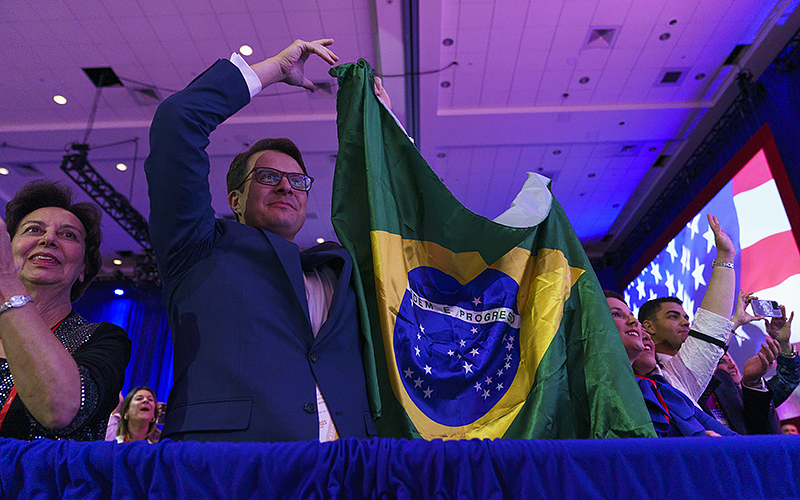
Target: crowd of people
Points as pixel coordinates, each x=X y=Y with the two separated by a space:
x=243 y=372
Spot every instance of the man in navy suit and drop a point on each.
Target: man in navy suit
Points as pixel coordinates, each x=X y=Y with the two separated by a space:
x=266 y=338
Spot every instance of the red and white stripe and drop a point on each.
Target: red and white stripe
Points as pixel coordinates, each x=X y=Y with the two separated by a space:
x=770 y=260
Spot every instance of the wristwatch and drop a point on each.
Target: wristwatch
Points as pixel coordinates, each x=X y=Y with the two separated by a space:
x=15 y=301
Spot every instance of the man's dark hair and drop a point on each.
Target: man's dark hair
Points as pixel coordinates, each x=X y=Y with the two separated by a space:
x=238 y=169
x=613 y=295
x=43 y=193
x=650 y=308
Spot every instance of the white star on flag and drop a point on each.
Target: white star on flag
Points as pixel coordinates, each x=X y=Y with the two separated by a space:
x=478 y=386
x=427 y=369
x=741 y=336
x=686 y=259
x=476 y=301
x=474 y=352
x=428 y=392
x=416 y=350
x=499 y=387
x=694 y=226
x=418 y=382
x=485 y=395
x=474 y=329
x=697 y=274
x=450 y=352
x=671 y=251
x=462 y=343
x=710 y=241
x=408 y=371
x=640 y=288
x=422 y=328
x=467 y=368
x=656 y=273
x=670 y=284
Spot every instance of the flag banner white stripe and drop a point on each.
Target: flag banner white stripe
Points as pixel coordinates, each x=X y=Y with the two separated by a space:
x=761 y=214
x=503 y=314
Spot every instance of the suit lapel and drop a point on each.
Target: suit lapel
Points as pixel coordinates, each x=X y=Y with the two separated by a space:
x=335 y=256
x=290 y=258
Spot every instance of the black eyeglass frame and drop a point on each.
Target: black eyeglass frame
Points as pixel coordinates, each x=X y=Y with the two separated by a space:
x=288 y=176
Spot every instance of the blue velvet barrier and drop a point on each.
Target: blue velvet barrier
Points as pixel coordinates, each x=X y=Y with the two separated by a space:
x=674 y=468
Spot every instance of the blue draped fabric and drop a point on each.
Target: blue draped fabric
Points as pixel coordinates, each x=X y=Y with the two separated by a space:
x=696 y=468
x=143 y=317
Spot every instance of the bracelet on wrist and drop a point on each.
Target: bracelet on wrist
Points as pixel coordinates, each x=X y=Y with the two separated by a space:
x=791 y=354
x=720 y=263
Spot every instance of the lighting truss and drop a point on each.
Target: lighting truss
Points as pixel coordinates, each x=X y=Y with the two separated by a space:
x=77 y=167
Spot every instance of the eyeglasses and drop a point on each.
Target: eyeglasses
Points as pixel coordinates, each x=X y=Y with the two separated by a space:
x=271 y=177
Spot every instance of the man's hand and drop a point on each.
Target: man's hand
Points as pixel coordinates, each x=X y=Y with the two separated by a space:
x=780 y=329
x=721 y=291
x=725 y=249
x=757 y=366
x=740 y=314
x=288 y=65
x=381 y=93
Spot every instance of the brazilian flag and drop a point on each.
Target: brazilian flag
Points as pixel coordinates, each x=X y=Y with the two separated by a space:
x=473 y=329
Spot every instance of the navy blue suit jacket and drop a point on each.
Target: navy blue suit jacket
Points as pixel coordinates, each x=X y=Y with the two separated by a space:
x=246 y=360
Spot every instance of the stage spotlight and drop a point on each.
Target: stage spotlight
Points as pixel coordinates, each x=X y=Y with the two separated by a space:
x=119 y=291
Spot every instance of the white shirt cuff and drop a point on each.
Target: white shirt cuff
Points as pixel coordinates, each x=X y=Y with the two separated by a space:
x=760 y=386
x=250 y=77
x=712 y=324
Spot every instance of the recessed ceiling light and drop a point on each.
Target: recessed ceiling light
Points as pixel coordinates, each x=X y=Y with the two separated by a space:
x=591 y=175
x=440 y=155
x=447 y=42
x=320 y=240
x=565 y=95
x=119 y=291
x=445 y=85
x=615 y=205
x=246 y=50
x=584 y=80
x=621 y=123
x=3 y=171
x=581 y=194
x=117 y=262
x=673 y=22
x=652 y=149
x=699 y=76
x=664 y=37
x=122 y=167
x=557 y=152
x=60 y=99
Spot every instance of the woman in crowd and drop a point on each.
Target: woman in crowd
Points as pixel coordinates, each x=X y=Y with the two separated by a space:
x=59 y=374
x=671 y=411
x=139 y=412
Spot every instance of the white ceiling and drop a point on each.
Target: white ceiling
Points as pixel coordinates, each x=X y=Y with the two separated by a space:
x=513 y=100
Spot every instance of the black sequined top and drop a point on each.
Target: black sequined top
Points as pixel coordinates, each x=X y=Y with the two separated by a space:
x=101 y=351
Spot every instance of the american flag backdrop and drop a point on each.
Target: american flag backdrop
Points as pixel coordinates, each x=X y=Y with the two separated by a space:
x=751 y=211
